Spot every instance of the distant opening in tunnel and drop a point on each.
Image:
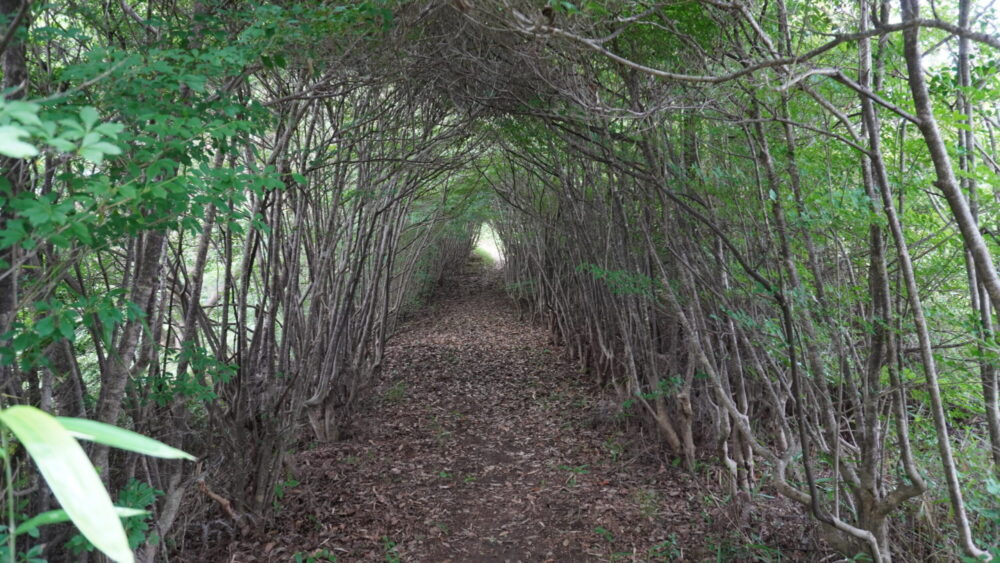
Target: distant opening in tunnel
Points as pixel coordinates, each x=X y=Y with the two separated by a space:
x=489 y=247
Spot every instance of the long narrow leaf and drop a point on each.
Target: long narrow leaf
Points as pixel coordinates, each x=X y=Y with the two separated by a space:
x=59 y=515
x=72 y=478
x=120 y=438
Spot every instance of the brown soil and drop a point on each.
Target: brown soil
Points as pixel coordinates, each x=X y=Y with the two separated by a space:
x=485 y=445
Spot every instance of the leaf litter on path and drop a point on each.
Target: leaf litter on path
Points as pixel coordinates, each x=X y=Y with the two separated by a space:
x=481 y=446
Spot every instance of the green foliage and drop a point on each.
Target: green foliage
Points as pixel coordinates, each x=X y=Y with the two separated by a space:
x=280 y=489
x=648 y=501
x=142 y=496
x=575 y=471
x=391 y=553
x=736 y=547
x=615 y=449
x=396 y=393
x=32 y=555
x=197 y=384
x=622 y=282
x=666 y=550
x=168 y=124
x=605 y=534
x=52 y=444
x=666 y=387
x=77 y=137
x=318 y=556
x=66 y=469
x=136 y=499
x=109 y=435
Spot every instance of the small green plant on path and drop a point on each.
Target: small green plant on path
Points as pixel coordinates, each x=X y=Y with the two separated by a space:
x=391 y=554
x=648 y=501
x=666 y=550
x=396 y=393
x=575 y=471
x=315 y=557
x=52 y=444
x=440 y=433
x=615 y=449
x=279 y=490
x=729 y=548
x=610 y=538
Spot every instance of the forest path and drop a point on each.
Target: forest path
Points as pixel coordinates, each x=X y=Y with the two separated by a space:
x=483 y=446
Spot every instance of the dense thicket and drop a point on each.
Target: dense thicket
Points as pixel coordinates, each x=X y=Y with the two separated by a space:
x=213 y=215
x=768 y=227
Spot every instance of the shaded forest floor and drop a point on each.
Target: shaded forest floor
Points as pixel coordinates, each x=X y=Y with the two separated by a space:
x=484 y=445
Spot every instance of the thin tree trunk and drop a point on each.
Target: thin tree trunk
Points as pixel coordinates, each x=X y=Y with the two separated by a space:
x=15 y=80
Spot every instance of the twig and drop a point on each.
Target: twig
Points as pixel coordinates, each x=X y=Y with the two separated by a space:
x=130 y=12
x=226 y=506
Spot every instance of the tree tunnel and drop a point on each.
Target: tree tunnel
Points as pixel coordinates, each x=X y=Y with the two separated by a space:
x=767 y=227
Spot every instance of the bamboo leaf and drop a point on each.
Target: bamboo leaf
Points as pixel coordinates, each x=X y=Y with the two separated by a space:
x=120 y=438
x=60 y=515
x=72 y=478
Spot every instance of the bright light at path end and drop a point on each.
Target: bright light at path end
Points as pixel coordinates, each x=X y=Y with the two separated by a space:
x=490 y=244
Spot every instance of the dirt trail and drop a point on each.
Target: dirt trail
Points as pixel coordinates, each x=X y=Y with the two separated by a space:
x=483 y=445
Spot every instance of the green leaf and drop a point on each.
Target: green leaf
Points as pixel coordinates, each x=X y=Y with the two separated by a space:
x=24 y=341
x=13 y=234
x=81 y=232
x=72 y=478
x=120 y=438
x=993 y=486
x=196 y=83
x=90 y=139
x=93 y=155
x=89 y=116
x=25 y=112
x=62 y=145
x=57 y=516
x=46 y=326
x=110 y=129
x=37 y=212
x=67 y=329
x=11 y=144
x=106 y=148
